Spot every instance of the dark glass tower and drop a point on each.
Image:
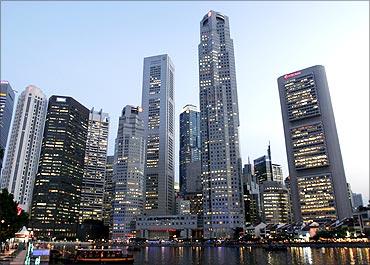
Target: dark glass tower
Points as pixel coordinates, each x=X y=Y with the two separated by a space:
x=317 y=179
x=56 y=196
x=219 y=125
x=190 y=169
x=6 y=112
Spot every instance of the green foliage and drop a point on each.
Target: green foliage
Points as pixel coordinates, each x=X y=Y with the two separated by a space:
x=10 y=222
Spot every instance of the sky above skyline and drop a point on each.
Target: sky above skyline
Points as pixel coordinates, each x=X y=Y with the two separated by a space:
x=94 y=51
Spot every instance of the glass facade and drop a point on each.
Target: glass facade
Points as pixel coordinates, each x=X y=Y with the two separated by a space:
x=301 y=98
x=57 y=193
x=316 y=195
x=189 y=158
x=309 y=147
x=275 y=203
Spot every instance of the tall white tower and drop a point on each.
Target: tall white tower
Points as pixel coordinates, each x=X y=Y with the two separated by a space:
x=159 y=120
x=24 y=146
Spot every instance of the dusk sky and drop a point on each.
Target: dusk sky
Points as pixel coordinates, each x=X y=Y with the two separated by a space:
x=94 y=51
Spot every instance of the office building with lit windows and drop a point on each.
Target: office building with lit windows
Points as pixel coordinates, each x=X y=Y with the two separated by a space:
x=23 y=152
x=108 y=193
x=189 y=158
x=92 y=190
x=251 y=195
x=128 y=173
x=219 y=124
x=7 y=98
x=317 y=179
x=159 y=121
x=56 y=200
x=275 y=202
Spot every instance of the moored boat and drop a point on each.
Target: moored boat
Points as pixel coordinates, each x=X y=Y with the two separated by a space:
x=102 y=256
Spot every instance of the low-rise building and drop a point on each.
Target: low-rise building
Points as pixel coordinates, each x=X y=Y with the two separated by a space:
x=167 y=226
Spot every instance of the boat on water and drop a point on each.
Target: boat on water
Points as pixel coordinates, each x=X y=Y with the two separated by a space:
x=133 y=248
x=103 y=256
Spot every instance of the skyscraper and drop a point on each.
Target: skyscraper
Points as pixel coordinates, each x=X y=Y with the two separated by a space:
x=251 y=195
x=57 y=193
x=158 y=116
x=357 y=200
x=219 y=123
x=92 y=191
x=275 y=202
x=24 y=146
x=128 y=173
x=318 y=182
x=263 y=167
x=189 y=159
x=108 y=194
x=6 y=111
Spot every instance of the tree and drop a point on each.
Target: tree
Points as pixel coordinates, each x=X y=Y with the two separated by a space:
x=10 y=219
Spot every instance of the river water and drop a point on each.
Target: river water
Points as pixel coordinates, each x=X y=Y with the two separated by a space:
x=251 y=256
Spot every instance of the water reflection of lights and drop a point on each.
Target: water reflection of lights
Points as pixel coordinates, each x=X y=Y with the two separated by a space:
x=307 y=253
x=241 y=258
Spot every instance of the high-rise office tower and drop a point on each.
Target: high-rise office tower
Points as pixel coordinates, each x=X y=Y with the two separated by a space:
x=287 y=185
x=108 y=193
x=219 y=124
x=159 y=121
x=318 y=182
x=23 y=153
x=190 y=168
x=277 y=173
x=251 y=195
x=128 y=176
x=57 y=193
x=357 y=200
x=275 y=202
x=92 y=191
x=6 y=111
x=263 y=169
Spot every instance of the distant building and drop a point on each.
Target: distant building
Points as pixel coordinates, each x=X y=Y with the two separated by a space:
x=277 y=173
x=189 y=159
x=287 y=185
x=219 y=123
x=92 y=192
x=7 y=98
x=166 y=227
x=251 y=196
x=263 y=167
x=318 y=182
x=128 y=176
x=350 y=196
x=196 y=207
x=357 y=200
x=159 y=121
x=108 y=194
x=57 y=194
x=24 y=146
x=182 y=206
x=275 y=202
